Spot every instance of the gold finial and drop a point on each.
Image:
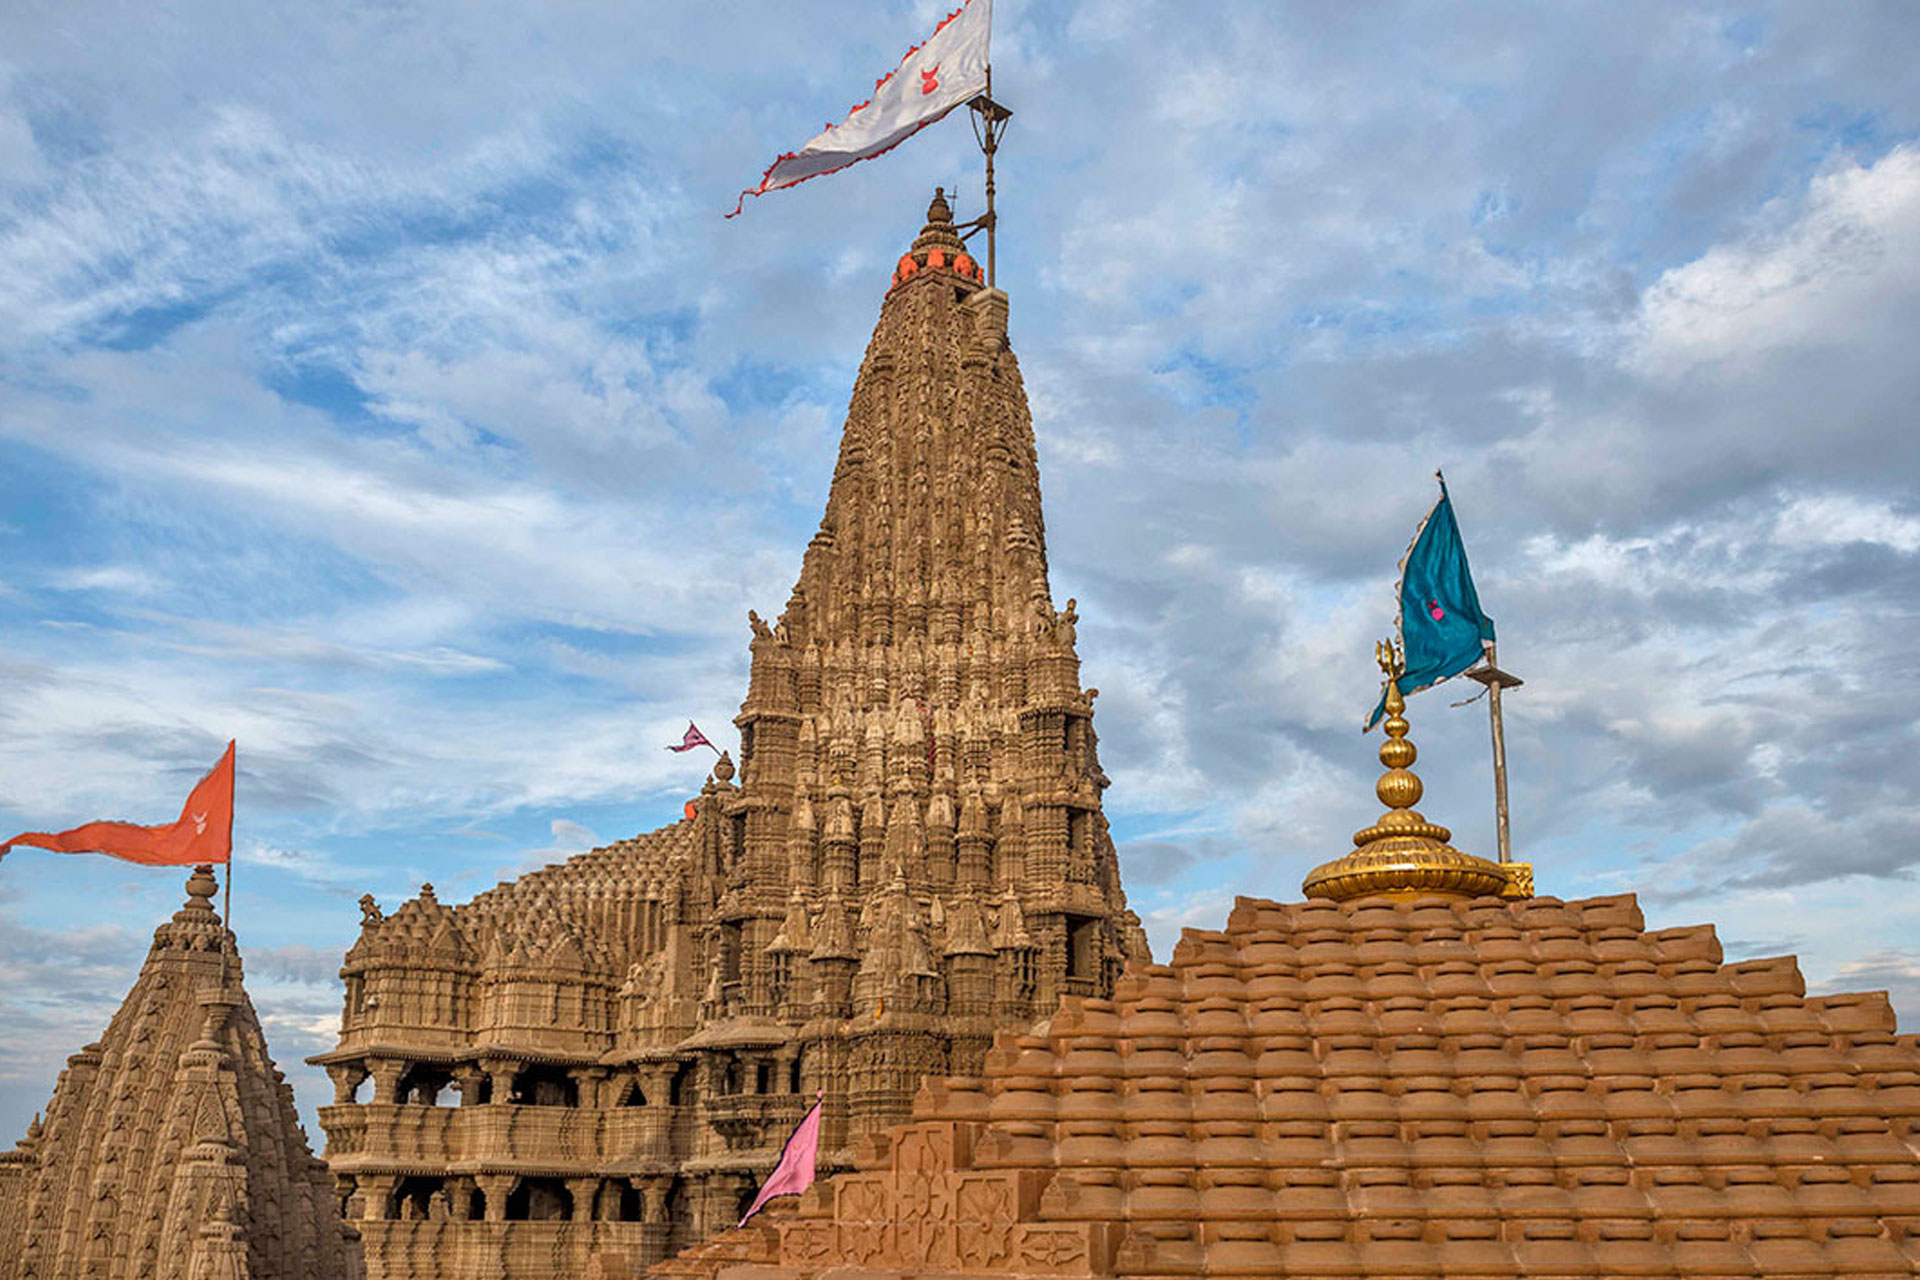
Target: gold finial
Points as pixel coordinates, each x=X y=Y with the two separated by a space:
x=1402 y=855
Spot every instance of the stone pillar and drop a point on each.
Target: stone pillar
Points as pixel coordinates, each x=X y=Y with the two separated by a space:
x=583 y=1191
x=467 y=1079
x=501 y=1074
x=592 y=1082
x=496 y=1187
x=375 y=1191
x=386 y=1079
x=656 y=1232
x=346 y=1077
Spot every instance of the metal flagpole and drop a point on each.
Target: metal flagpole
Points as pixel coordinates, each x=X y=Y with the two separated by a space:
x=989 y=123
x=226 y=893
x=1490 y=675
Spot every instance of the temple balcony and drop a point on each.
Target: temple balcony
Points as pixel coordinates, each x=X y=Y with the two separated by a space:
x=747 y=1121
x=376 y=1131
x=531 y=1136
x=550 y=1136
x=452 y=1250
x=636 y=1134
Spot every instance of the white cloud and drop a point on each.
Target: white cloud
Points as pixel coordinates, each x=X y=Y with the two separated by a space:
x=1852 y=250
x=390 y=394
x=1836 y=519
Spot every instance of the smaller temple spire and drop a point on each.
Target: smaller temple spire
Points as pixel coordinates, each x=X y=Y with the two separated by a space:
x=1402 y=855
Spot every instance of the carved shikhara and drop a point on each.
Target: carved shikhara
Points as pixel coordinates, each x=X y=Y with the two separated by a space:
x=912 y=856
x=171 y=1149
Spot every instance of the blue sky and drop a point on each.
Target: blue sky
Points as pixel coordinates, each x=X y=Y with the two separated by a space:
x=379 y=385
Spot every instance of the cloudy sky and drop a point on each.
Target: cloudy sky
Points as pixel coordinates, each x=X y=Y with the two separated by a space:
x=379 y=385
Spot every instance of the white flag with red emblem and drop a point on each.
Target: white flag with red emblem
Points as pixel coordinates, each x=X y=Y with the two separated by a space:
x=933 y=79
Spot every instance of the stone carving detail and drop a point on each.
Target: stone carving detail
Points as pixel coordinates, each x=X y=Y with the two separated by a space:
x=908 y=854
x=171 y=1149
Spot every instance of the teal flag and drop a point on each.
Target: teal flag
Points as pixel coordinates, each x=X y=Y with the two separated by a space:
x=1442 y=630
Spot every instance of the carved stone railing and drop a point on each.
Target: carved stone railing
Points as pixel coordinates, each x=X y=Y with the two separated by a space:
x=476 y=1250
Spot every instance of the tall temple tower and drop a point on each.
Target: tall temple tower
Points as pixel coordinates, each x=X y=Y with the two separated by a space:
x=912 y=856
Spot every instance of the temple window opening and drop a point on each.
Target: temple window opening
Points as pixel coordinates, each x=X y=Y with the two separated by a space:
x=413 y=1199
x=729 y=953
x=545 y=1087
x=426 y=1085
x=682 y=1090
x=540 y=1200
x=1082 y=939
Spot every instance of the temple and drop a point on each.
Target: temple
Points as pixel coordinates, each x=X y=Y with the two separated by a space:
x=601 y=1059
x=1414 y=1073
x=171 y=1149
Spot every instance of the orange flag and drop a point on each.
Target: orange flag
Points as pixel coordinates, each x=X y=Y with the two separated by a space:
x=204 y=832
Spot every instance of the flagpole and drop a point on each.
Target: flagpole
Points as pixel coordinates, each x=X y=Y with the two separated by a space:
x=226 y=894
x=1490 y=675
x=989 y=122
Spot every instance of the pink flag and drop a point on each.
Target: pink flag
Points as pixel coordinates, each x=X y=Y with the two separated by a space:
x=794 y=1173
x=694 y=738
x=933 y=79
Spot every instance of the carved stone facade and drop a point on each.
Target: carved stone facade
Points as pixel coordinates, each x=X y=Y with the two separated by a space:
x=1436 y=1087
x=171 y=1149
x=912 y=857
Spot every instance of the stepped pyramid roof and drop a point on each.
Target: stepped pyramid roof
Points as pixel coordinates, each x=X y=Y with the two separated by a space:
x=171 y=1149
x=1439 y=1086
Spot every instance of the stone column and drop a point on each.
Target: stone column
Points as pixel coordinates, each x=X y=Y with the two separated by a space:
x=583 y=1191
x=592 y=1082
x=375 y=1191
x=346 y=1077
x=386 y=1079
x=496 y=1187
x=656 y=1232
x=501 y=1074
x=467 y=1079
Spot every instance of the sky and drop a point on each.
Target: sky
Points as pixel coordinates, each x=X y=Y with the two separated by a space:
x=380 y=386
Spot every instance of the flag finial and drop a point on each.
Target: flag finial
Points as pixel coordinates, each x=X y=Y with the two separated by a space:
x=1402 y=855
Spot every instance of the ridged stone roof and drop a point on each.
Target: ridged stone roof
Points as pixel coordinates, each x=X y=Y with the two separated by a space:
x=1436 y=1088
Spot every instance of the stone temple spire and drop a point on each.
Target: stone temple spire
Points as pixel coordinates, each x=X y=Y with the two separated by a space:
x=171 y=1149
x=933 y=533
x=915 y=723
x=910 y=857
